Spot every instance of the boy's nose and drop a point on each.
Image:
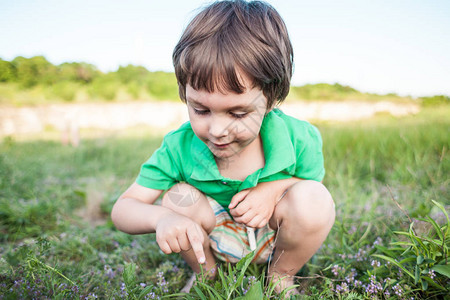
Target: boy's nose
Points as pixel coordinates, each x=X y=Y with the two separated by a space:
x=219 y=127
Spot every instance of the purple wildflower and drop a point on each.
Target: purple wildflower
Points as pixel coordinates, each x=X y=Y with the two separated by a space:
x=123 y=290
x=162 y=283
x=151 y=295
x=375 y=263
x=398 y=290
x=378 y=241
x=342 y=288
x=336 y=269
x=109 y=272
x=373 y=287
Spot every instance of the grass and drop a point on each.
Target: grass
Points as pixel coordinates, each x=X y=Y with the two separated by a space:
x=390 y=240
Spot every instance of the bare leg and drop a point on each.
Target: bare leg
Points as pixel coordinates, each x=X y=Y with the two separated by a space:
x=303 y=219
x=188 y=201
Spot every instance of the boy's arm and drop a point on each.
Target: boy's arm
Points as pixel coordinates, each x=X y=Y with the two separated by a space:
x=135 y=213
x=260 y=202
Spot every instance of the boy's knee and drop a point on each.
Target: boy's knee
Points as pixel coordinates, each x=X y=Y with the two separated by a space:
x=186 y=200
x=308 y=205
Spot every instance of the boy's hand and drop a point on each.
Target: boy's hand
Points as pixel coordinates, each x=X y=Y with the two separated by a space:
x=254 y=207
x=176 y=233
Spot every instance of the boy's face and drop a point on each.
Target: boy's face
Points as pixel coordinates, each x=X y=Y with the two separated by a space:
x=226 y=123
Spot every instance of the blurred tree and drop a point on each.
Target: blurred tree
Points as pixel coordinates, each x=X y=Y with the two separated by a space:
x=131 y=73
x=34 y=70
x=105 y=86
x=7 y=71
x=162 y=85
x=65 y=90
x=80 y=72
x=324 y=91
x=435 y=100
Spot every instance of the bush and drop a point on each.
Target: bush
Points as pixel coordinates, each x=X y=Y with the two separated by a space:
x=324 y=91
x=104 y=87
x=7 y=71
x=162 y=85
x=65 y=90
x=435 y=100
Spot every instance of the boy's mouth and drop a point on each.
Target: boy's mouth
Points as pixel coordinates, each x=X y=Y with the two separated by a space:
x=221 y=146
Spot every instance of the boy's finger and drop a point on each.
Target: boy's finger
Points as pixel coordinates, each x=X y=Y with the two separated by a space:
x=164 y=246
x=196 y=239
x=174 y=246
x=245 y=218
x=184 y=243
x=254 y=222
x=238 y=198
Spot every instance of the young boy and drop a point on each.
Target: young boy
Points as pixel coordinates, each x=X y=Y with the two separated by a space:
x=239 y=163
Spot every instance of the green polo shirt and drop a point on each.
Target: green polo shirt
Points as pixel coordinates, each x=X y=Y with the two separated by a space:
x=291 y=148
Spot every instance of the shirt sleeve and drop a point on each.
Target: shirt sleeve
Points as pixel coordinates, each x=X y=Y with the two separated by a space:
x=310 y=163
x=160 y=171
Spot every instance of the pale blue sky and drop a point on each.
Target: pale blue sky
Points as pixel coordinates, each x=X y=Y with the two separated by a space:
x=375 y=46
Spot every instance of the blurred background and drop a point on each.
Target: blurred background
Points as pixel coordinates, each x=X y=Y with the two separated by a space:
x=372 y=76
x=356 y=53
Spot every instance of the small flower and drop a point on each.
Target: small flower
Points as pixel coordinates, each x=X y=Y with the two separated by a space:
x=162 y=283
x=151 y=295
x=373 y=287
x=398 y=290
x=251 y=280
x=142 y=284
x=109 y=272
x=342 y=288
x=336 y=269
x=375 y=263
x=378 y=241
x=175 y=269
x=431 y=274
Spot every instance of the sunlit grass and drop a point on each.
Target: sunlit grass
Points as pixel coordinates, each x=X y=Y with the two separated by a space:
x=381 y=172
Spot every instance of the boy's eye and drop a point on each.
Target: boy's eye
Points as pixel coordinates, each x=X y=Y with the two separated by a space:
x=238 y=115
x=200 y=111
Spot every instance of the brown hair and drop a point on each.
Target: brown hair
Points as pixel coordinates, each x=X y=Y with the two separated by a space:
x=228 y=37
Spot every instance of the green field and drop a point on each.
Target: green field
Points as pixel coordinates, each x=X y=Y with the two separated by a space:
x=58 y=242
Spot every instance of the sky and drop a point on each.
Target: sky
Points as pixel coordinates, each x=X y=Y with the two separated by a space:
x=378 y=46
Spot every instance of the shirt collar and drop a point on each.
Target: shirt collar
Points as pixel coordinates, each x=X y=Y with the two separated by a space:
x=204 y=164
x=278 y=151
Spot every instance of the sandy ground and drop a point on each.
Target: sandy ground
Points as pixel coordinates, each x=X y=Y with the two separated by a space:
x=168 y=115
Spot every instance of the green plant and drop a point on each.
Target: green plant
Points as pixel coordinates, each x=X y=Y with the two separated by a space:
x=423 y=258
x=233 y=283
